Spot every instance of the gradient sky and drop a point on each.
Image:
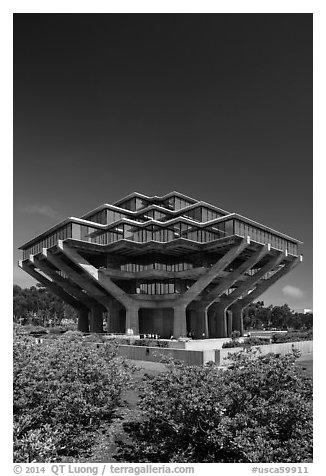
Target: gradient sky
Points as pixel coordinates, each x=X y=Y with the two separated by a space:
x=216 y=106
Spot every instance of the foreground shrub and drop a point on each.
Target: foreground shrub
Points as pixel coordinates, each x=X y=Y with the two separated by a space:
x=72 y=335
x=57 y=330
x=29 y=329
x=259 y=410
x=63 y=393
x=295 y=336
x=231 y=344
x=247 y=342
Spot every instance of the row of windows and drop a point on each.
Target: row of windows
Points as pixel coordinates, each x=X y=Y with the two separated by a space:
x=262 y=236
x=176 y=203
x=134 y=204
x=252 y=271
x=106 y=216
x=154 y=215
x=172 y=203
x=60 y=234
x=160 y=234
x=99 y=217
x=269 y=274
x=134 y=267
x=161 y=288
x=156 y=233
x=182 y=230
x=167 y=288
x=200 y=214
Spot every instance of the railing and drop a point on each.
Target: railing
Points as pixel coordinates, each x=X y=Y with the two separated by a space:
x=260 y=235
x=51 y=239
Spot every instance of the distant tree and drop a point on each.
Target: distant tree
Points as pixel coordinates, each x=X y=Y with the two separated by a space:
x=36 y=305
x=281 y=316
x=257 y=316
x=251 y=319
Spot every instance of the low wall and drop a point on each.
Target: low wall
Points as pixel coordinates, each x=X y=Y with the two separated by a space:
x=201 y=357
x=305 y=347
x=155 y=354
x=198 y=344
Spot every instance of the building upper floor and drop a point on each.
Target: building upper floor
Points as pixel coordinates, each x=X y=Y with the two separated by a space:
x=140 y=218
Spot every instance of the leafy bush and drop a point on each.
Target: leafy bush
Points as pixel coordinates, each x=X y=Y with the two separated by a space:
x=72 y=336
x=69 y=327
x=292 y=336
x=97 y=338
x=21 y=330
x=231 y=344
x=57 y=330
x=38 y=330
x=151 y=343
x=249 y=341
x=28 y=329
x=63 y=395
x=259 y=410
x=235 y=335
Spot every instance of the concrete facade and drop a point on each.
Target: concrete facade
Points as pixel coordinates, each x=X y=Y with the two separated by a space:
x=169 y=265
x=204 y=354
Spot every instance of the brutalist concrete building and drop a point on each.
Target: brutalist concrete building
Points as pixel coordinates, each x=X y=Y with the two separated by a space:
x=169 y=265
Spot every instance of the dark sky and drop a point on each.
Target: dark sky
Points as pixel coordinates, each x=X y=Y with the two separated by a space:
x=216 y=106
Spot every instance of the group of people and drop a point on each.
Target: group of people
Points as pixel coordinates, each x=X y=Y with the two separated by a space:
x=150 y=336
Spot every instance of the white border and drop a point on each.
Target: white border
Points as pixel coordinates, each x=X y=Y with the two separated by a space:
x=167 y=6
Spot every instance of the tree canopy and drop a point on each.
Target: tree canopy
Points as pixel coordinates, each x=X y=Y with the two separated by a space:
x=36 y=305
x=257 y=316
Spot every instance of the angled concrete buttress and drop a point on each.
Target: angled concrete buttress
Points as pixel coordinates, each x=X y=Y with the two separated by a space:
x=238 y=306
x=130 y=304
x=209 y=299
x=245 y=286
x=100 y=301
x=81 y=310
x=180 y=306
x=68 y=286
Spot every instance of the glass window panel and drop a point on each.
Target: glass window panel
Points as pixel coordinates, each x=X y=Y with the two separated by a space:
x=140 y=203
x=150 y=214
x=176 y=230
x=229 y=228
x=128 y=232
x=204 y=214
x=110 y=216
x=169 y=203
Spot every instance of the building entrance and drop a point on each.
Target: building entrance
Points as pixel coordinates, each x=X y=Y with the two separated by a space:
x=156 y=321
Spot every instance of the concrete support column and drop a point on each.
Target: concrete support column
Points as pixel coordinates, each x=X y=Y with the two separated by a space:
x=83 y=324
x=229 y=322
x=218 y=318
x=96 y=319
x=179 y=322
x=132 y=320
x=202 y=324
x=237 y=319
x=221 y=324
x=113 y=320
x=198 y=321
